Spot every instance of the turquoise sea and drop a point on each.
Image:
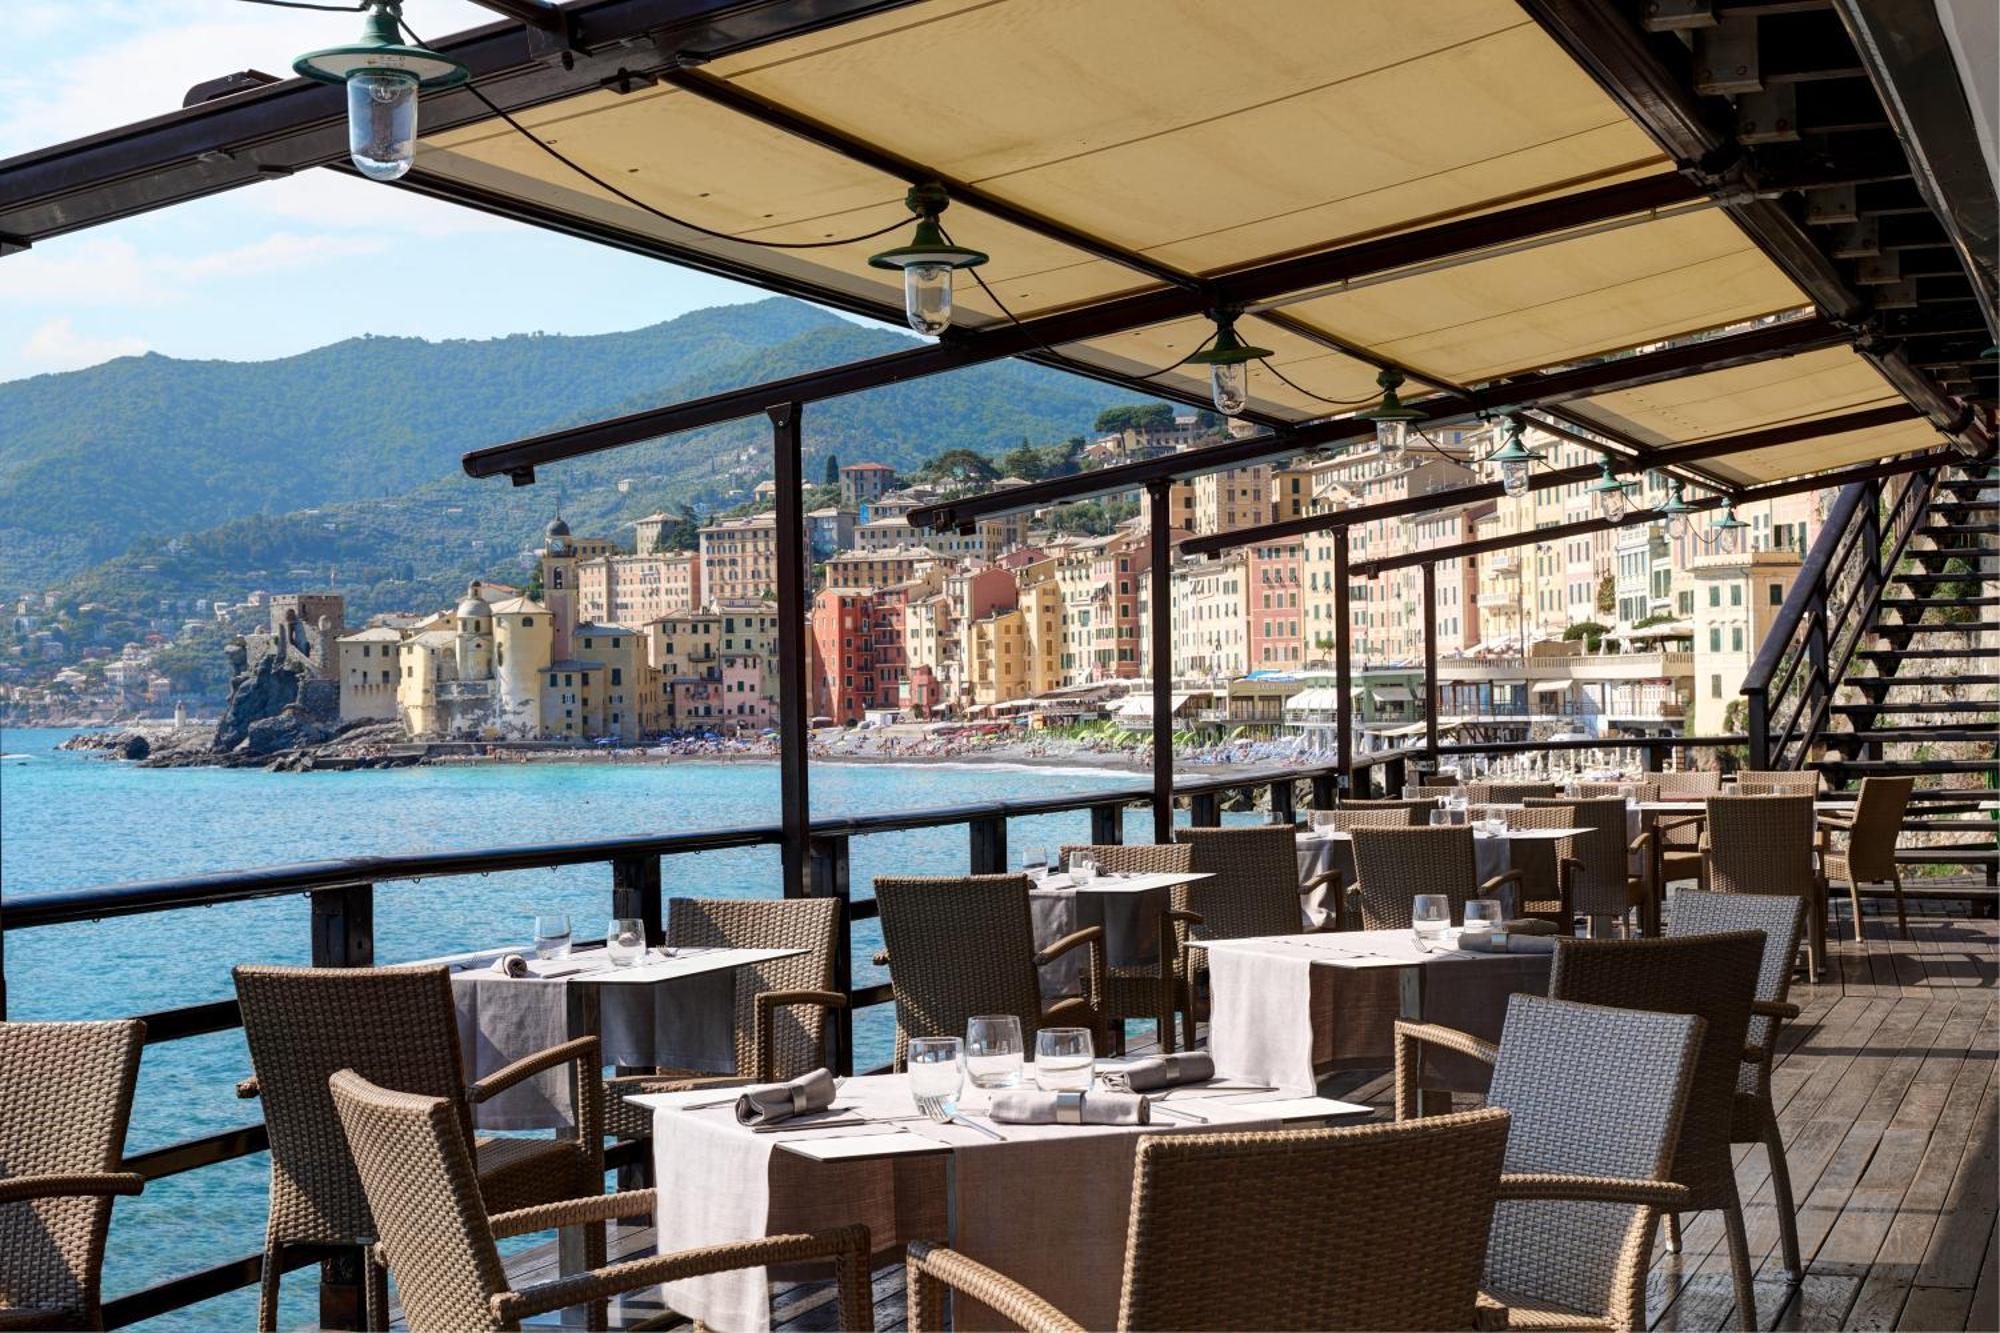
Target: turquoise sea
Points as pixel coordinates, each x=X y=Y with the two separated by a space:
x=68 y=820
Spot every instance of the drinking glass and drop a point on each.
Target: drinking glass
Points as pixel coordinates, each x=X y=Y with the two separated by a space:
x=1065 y=1060
x=1496 y=824
x=1082 y=868
x=1322 y=821
x=1457 y=808
x=937 y=1075
x=1628 y=792
x=993 y=1050
x=1482 y=916
x=551 y=935
x=1430 y=916
x=1440 y=818
x=1034 y=862
x=625 y=941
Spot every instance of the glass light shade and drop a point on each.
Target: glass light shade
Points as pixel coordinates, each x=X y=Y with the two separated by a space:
x=1611 y=503
x=382 y=122
x=1393 y=438
x=1514 y=477
x=927 y=297
x=1229 y=385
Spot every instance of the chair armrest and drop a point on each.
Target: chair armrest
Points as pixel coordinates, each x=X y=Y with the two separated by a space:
x=573 y=1212
x=575 y=1049
x=75 y=1184
x=249 y=1089
x=846 y=1246
x=1338 y=897
x=1595 y=1189
x=768 y=1004
x=931 y=1268
x=1410 y=1037
x=881 y=958
x=1520 y=878
x=1844 y=823
x=1774 y=1009
x=1088 y=935
x=1661 y=828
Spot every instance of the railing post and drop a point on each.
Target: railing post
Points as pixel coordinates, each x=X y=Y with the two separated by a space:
x=1394 y=778
x=989 y=844
x=1107 y=824
x=1324 y=788
x=1757 y=721
x=1819 y=689
x=1204 y=809
x=343 y=935
x=635 y=892
x=1655 y=758
x=1284 y=801
x=826 y=871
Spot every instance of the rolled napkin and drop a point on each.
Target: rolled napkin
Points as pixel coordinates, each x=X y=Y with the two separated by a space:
x=1532 y=925
x=768 y=1103
x=1024 y=1106
x=1167 y=1071
x=511 y=965
x=1505 y=941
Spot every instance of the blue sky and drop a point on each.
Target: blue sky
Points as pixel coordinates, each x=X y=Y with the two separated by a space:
x=275 y=268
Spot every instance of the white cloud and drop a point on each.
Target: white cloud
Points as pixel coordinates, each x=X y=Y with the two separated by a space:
x=109 y=270
x=57 y=345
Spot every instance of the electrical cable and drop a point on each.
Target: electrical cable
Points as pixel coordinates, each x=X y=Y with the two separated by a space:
x=1265 y=362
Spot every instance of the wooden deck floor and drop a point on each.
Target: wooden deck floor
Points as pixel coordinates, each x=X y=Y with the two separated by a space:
x=1885 y=1089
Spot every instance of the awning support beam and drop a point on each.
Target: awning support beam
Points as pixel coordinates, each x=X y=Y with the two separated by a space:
x=794 y=687
x=1430 y=661
x=1160 y=629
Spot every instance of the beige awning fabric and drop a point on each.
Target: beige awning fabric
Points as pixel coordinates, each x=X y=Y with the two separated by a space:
x=1390 y=694
x=1221 y=136
x=1549 y=687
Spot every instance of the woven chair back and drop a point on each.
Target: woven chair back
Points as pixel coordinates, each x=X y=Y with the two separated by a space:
x=1698 y=782
x=1254 y=889
x=1601 y=851
x=1642 y=789
x=1394 y=865
x=812 y=924
x=1778 y=782
x=394 y=1026
x=1508 y=793
x=1136 y=858
x=1782 y=919
x=1347 y=818
x=958 y=947
x=1594 y=1091
x=1878 y=820
x=1760 y=844
x=1711 y=976
x=65 y=1099
x=1419 y=808
x=415 y=1163
x=1381 y=1226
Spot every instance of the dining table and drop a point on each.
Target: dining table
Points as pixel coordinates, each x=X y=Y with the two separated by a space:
x=1044 y=1204
x=674 y=1009
x=1128 y=907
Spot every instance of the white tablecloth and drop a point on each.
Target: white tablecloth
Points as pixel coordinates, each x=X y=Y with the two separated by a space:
x=1127 y=906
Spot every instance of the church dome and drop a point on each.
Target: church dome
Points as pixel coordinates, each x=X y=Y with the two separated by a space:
x=474 y=607
x=557 y=528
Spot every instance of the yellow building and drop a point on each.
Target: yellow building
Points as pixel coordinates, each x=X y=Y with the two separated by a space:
x=739 y=558
x=367 y=664
x=871 y=571
x=634 y=589
x=596 y=694
x=1041 y=606
x=996 y=667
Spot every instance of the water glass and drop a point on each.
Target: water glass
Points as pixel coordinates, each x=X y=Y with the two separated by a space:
x=994 y=1053
x=1034 y=862
x=1065 y=1059
x=625 y=941
x=1082 y=868
x=1322 y=821
x=1496 y=824
x=1440 y=819
x=551 y=935
x=1457 y=807
x=937 y=1075
x=1430 y=916
x=1482 y=916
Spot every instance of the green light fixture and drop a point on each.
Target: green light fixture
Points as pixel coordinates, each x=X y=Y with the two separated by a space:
x=1228 y=360
x=1392 y=419
x=383 y=78
x=1611 y=494
x=1726 y=520
x=928 y=262
x=1677 y=514
x=1514 y=459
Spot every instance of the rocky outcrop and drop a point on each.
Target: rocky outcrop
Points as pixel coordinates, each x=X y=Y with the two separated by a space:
x=292 y=729
x=255 y=721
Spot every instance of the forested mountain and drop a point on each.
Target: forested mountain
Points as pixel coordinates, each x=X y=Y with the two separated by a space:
x=197 y=471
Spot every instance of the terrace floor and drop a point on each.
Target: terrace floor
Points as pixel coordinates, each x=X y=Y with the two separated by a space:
x=1885 y=1087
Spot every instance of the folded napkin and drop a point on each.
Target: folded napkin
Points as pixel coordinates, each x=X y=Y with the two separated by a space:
x=768 y=1103
x=1532 y=925
x=511 y=965
x=1505 y=941
x=542 y=969
x=1166 y=1071
x=1023 y=1106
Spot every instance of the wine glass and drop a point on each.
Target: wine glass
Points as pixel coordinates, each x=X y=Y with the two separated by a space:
x=1082 y=868
x=1482 y=916
x=937 y=1075
x=625 y=941
x=994 y=1052
x=1430 y=917
x=551 y=935
x=1034 y=862
x=1065 y=1059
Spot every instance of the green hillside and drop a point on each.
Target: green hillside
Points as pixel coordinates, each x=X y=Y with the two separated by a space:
x=117 y=462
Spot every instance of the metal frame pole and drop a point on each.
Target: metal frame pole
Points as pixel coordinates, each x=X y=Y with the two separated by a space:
x=1430 y=663
x=1159 y=496
x=1343 y=667
x=794 y=691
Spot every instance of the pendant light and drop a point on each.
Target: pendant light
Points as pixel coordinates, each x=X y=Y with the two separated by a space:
x=1392 y=419
x=1676 y=513
x=928 y=262
x=1514 y=459
x=1722 y=532
x=1228 y=360
x=383 y=77
x=1610 y=493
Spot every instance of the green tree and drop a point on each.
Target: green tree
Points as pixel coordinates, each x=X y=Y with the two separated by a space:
x=1589 y=631
x=831 y=476
x=957 y=467
x=1141 y=417
x=1607 y=595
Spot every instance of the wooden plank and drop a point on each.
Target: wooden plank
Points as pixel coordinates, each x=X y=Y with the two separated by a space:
x=1958 y=1246
x=1934 y=1308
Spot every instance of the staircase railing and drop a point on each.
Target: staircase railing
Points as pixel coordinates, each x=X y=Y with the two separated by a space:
x=1828 y=614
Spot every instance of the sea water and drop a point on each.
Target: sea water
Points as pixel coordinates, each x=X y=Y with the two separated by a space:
x=74 y=820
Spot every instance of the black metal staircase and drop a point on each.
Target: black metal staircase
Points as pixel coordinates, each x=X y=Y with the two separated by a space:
x=1885 y=659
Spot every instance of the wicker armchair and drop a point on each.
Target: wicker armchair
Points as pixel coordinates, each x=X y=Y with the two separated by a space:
x=1643 y=789
x=1419 y=808
x=958 y=947
x=1393 y=865
x=1253 y=889
x=1349 y=817
x=781 y=1005
x=396 y=1024
x=1507 y=793
x=416 y=1167
x=65 y=1098
x=1767 y=844
x=1432 y=790
x=1715 y=978
x=1595 y=866
x=1755 y=1118
x=1778 y=782
x=1869 y=854
x=1155 y=990
x=1598 y=1098
x=1381 y=1226
x=1693 y=784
